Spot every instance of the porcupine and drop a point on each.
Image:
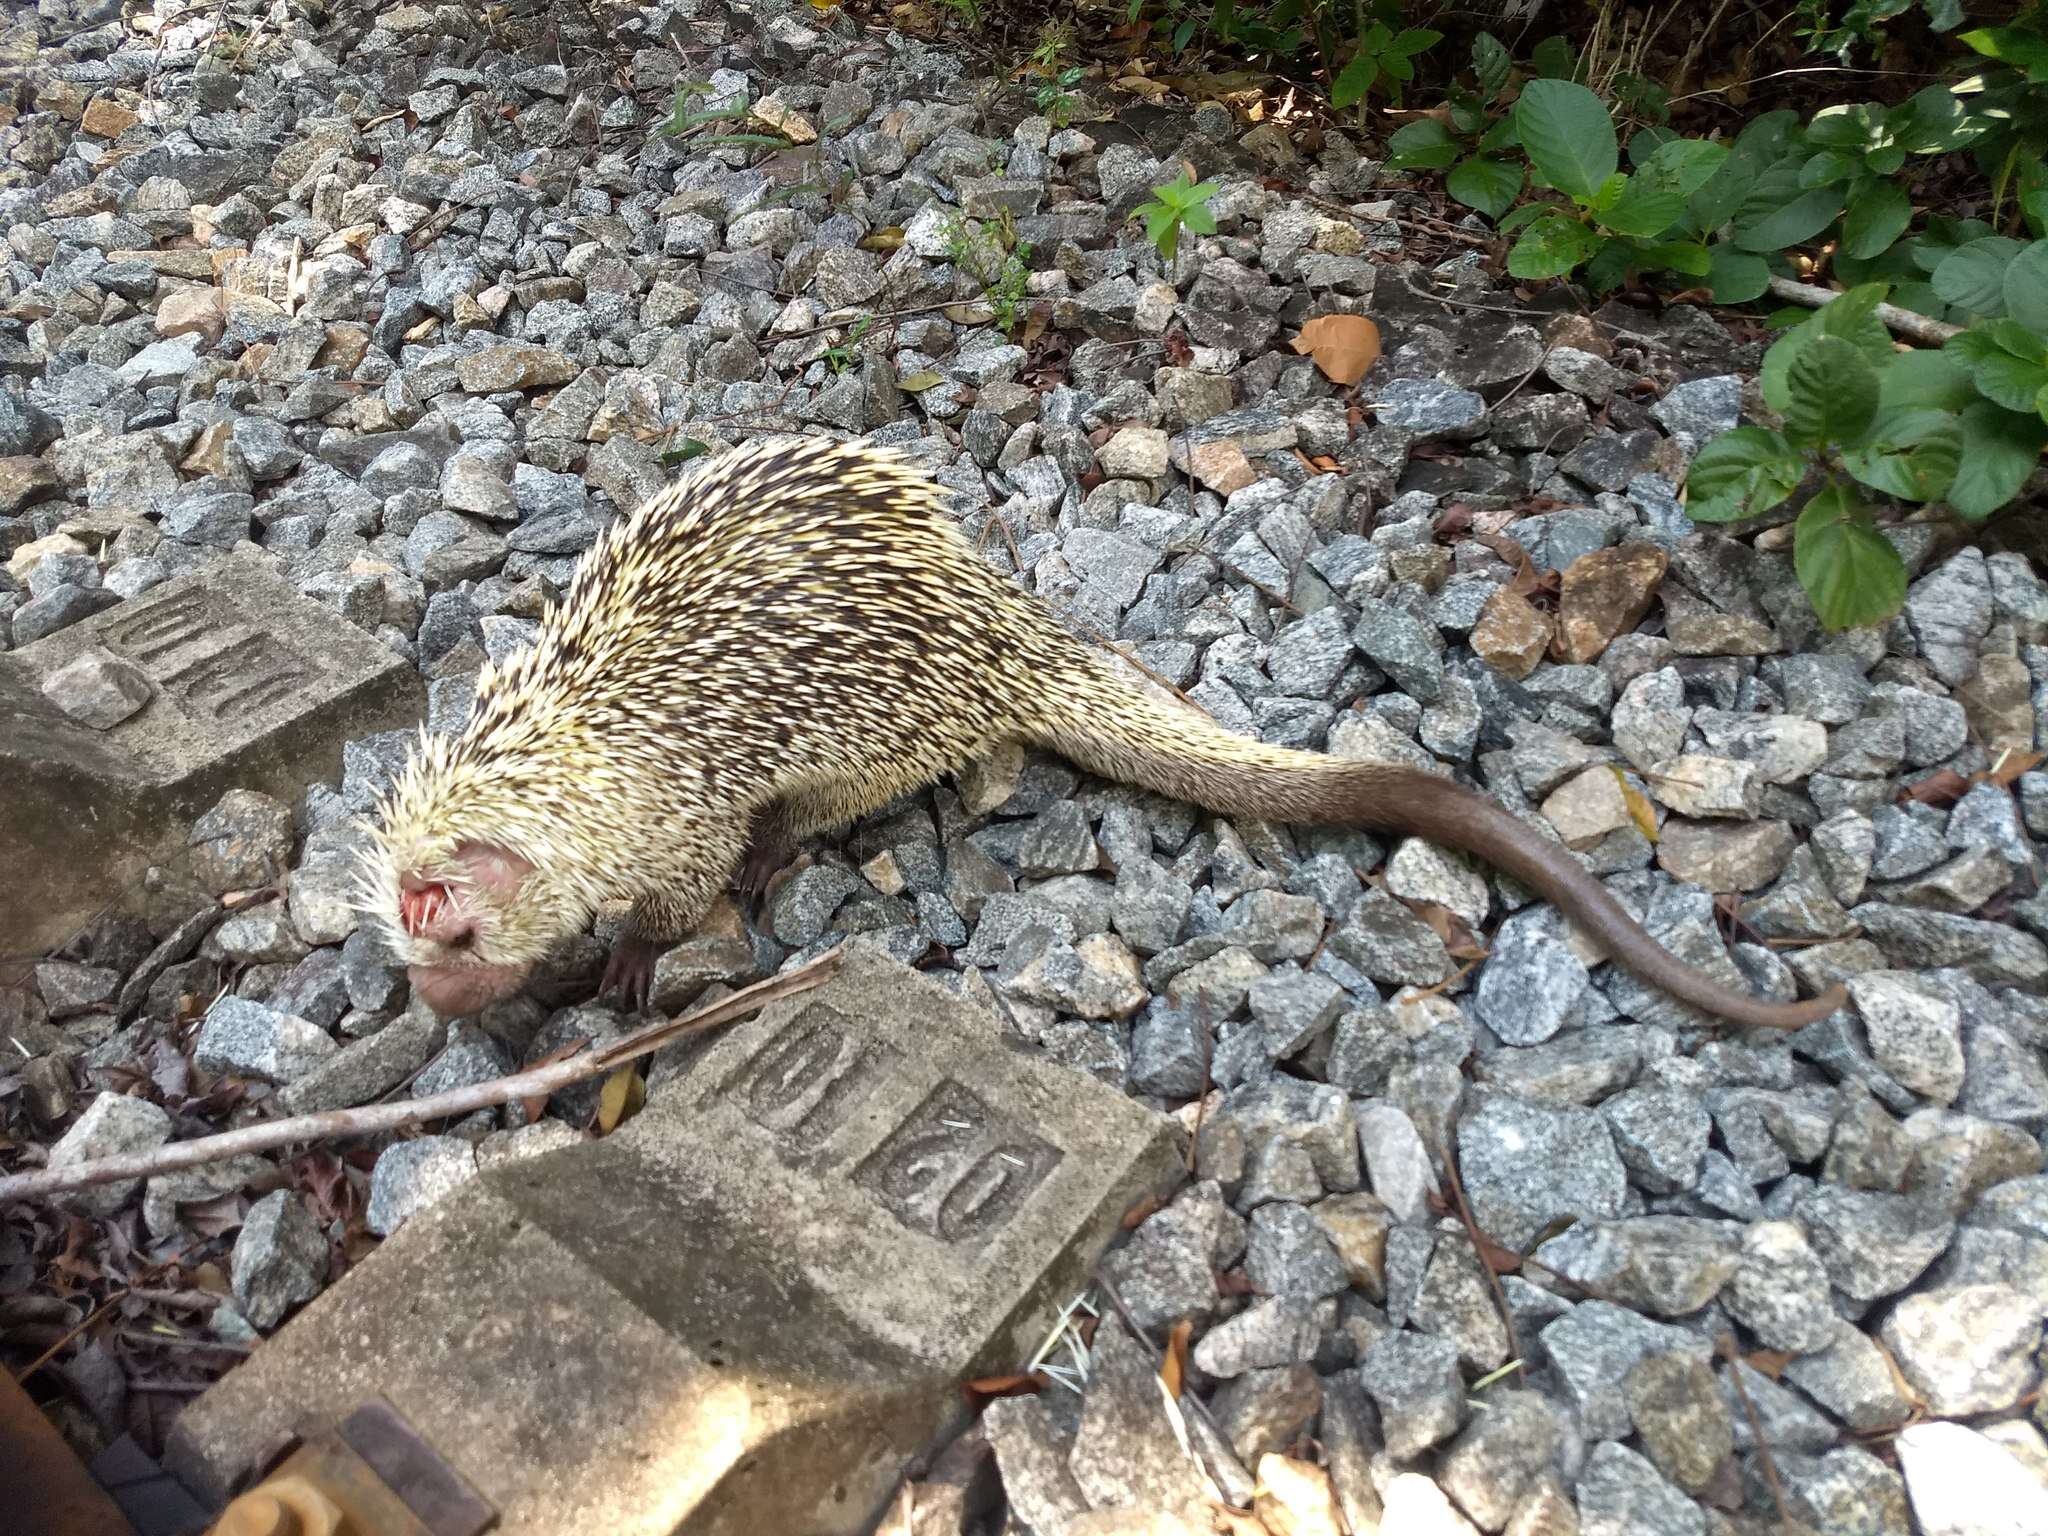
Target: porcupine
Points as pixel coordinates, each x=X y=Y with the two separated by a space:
x=789 y=638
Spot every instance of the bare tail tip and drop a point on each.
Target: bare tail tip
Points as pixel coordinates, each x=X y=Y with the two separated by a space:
x=1799 y=1015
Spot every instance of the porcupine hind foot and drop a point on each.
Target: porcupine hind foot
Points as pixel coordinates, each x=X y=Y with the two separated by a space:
x=770 y=848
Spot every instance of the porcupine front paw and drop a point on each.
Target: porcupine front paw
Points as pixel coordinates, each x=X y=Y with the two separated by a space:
x=629 y=973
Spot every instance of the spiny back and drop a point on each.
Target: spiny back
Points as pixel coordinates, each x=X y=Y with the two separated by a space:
x=780 y=596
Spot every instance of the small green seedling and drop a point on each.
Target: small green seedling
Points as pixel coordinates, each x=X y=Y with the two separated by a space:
x=1056 y=97
x=1181 y=203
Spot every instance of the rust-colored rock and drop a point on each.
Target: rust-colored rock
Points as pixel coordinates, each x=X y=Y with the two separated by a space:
x=192 y=311
x=106 y=119
x=1512 y=634
x=1222 y=467
x=1604 y=594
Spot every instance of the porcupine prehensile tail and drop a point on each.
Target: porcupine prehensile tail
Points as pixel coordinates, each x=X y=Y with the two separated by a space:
x=1113 y=728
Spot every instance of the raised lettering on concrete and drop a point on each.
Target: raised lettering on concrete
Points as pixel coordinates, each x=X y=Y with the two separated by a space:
x=251 y=686
x=746 y=1310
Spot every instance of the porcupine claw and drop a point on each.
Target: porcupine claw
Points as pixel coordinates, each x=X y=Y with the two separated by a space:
x=630 y=973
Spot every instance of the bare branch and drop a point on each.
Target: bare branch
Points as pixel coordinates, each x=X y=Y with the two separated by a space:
x=371 y=1118
x=1914 y=327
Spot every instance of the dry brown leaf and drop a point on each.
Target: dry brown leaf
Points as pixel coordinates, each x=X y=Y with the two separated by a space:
x=2011 y=763
x=535 y=1103
x=1344 y=347
x=1767 y=1362
x=1020 y=1384
x=623 y=1094
x=1498 y=1257
x=1139 y=1212
x=1941 y=788
x=1451 y=928
x=1640 y=811
x=1173 y=1370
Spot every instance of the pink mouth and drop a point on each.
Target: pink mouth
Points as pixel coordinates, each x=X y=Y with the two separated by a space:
x=454 y=990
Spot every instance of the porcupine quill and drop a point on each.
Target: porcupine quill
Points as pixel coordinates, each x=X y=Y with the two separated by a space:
x=789 y=638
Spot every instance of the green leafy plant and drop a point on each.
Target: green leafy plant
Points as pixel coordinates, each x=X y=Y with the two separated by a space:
x=1918 y=427
x=2008 y=100
x=841 y=357
x=1383 y=58
x=1182 y=203
x=1056 y=97
x=1860 y=25
x=1469 y=140
x=1616 y=222
x=996 y=259
x=683 y=122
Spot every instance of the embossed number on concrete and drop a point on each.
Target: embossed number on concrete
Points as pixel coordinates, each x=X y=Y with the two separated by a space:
x=251 y=685
x=745 y=1310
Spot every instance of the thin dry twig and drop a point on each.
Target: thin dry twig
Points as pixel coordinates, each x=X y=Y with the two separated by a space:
x=84 y=1323
x=370 y=1118
x=1190 y=1402
x=1479 y=1247
x=1921 y=328
x=1726 y=1344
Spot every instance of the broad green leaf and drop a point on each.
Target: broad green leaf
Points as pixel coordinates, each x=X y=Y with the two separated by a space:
x=1500 y=136
x=1424 y=143
x=1555 y=59
x=1832 y=393
x=1761 y=144
x=1932 y=121
x=1488 y=185
x=1848 y=568
x=1568 y=135
x=1922 y=300
x=2041 y=403
x=1685 y=257
x=1944 y=15
x=1878 y=215
x=1850 y=315
x=1885 y=162
x=1972 y=277
x=1355 y=79
x=1528 y=213
x=1611 y=192
x=1490 y=64
x=1655 y=197
x=1911 y=454
x=1741 y=473
x=1611 y=265
x=1828 y=167
x=1736 y=276
x=2025 y=51
x=1994 y=356
x=1777 y=215
x=2034 y=204
x=1924 y=381
x=1414 y=40
x=2000 y=449
x=1941 y=236
x=2025 y=289
x=1852 y=125
x=1551 y=247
